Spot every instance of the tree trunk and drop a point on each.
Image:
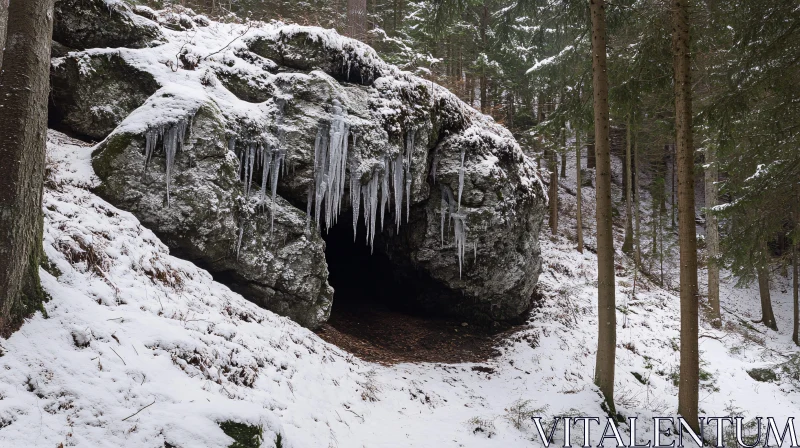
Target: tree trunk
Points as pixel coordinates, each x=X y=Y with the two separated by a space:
x=767 y=316
x=3 y=25
x=712 y=235
x=471 y=88
x=563 y=152
x=578 y=200
x=795 y=260
x=795 y=294
x=591 y=160
x=672 y=186
x=553 y=162
x=606 y=306
x=484 y=81
x=687 y=235
x=357 y=19
x=24 y=86
x=638 y=233
x=654 y=218
x=627 y=245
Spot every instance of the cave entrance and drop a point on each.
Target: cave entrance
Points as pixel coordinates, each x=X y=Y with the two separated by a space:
x=376 y=313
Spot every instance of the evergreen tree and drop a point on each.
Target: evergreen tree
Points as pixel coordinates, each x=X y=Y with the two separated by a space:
x=690 y=356
x=606 y=284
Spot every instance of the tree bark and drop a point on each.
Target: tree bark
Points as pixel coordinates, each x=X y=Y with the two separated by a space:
x=3 y=25
x=357 y=19
x=484 y=44
x=712 y=235
x=563 y=152
x=606 y=303
x=795 y=296
x=627 y=245
x=578 y=199
x=767 y=315
x=591 y=160
x=687 y=235
x=553 y=162
x=24 y=86
x=795 y=279
x=673 y=181
x=638 y=233
x=655 y=216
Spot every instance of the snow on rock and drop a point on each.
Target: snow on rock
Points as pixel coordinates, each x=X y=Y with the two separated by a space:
x=81 y=24
x=314 y=119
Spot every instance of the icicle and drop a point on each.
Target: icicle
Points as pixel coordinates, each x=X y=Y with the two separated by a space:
x=239 y=238
x=370 y=194
x=460 y=222
x=151 y=137
x=337 y=164
x=459 y=219
x=242 y=160
x=407 y=166
x=461 y=178
x=444 y=212
x=384 y=189
x=276 y=162
x=172 y=140
x=330 y=166
x=266 y=164
x=397 y=179
x=355 y=195
x=318 y=187
x=249 y=159
x=435 y=164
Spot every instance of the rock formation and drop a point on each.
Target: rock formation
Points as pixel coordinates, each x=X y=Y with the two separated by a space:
x=253 y=141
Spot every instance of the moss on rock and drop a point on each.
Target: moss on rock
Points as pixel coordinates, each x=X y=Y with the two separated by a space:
x=91 y=95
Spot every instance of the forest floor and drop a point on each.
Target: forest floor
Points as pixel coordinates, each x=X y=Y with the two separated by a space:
x=142 y=349
x=386 y=336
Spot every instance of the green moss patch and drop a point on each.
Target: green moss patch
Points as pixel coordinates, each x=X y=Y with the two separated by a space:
x=243 y=435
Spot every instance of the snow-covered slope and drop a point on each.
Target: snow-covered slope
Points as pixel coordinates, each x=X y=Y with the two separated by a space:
x=140 y=349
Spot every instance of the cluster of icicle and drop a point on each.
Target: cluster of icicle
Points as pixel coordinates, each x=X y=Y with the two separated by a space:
x=387 y=179
x=458 y=218
x=172 y=138
x=264 y=157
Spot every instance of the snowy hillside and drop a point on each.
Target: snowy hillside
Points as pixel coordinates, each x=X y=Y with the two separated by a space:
x=140 y=349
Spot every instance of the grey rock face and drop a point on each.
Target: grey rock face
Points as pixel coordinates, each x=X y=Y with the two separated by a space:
x=92 y=94
x=344 y=60
x=502 y=259
x=82 y=24
x=445 y=192
x=208 y=220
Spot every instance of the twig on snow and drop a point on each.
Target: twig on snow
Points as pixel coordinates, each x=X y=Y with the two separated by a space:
x=120 y=357
x=140 y=410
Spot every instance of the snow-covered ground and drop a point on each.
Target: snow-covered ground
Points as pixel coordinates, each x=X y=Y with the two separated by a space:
x=140 y=348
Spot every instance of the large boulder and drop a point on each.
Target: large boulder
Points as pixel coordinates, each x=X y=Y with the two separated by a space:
x=189 y=193
x=92 y=93
x=242 y=162
x=82 y=24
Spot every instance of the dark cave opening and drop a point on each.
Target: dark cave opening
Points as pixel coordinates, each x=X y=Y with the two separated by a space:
x=379 y=307
x=360 y=276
